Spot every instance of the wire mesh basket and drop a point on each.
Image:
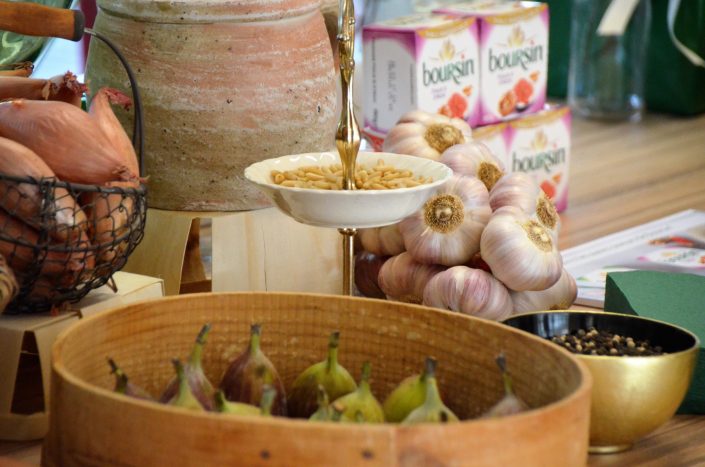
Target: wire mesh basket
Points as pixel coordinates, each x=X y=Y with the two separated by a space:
x=63 y=239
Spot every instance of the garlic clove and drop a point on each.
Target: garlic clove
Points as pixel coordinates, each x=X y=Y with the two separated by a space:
x=475 y=160
x=470 y=291
x=423 y=134
x=403 y=279
x=560 y=296
x=521 y=191
x=448 y=228
x=521 y=252
x=382 y=241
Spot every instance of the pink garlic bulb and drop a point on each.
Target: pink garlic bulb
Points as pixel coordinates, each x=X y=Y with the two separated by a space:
x=521 y=191
x=403 y=279
x=474 y=159
x=560 y=296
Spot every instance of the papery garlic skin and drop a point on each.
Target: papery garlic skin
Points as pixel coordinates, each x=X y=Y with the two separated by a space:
x=474 y=159
x=560 y=296
x=521 y=252
x=470 y=291
x=403 y=279
x=423 y=134
x=382 y=241
x=520 y=190
x=447 y=229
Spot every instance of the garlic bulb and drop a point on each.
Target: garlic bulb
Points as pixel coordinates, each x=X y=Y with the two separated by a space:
x=520 y=190
x=520 y=251
x=447 y=229
x=424 y=134
x=403 y=279
x=474 y=159
x=560 y=296
x=470 y=291
x=384 y=241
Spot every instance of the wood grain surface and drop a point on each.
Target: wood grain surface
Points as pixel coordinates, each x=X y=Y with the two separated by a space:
x=621 y=175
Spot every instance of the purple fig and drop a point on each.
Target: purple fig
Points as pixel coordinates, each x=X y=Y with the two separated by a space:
x=124 y=386
x=193 y=370
x=246 y=376
x=510 y=403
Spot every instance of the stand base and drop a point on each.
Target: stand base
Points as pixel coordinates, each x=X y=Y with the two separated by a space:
x=251 y=250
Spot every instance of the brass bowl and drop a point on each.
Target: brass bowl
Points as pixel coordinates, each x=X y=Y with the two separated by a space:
x=631 y=396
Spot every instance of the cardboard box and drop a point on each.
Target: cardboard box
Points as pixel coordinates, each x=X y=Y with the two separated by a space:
x=424 y=61
x=25 y=346
x=538 y=145
x=513 y=56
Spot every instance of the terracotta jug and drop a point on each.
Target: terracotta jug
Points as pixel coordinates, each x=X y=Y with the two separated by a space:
x=224 y=84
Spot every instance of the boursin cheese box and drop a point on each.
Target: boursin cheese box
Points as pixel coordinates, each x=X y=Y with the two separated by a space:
x=513 y=55
x=538 y=145
x=425 y=61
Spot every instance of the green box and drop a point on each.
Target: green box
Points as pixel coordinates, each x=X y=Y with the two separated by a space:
x=671 y=297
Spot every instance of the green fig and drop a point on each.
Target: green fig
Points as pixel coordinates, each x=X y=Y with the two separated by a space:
x=325 y=411
x=184 y=396
x=408 y=395
x=361 y=405
x=432 y=410
x=246 y=376
x=510 y=403
x=235 y=408
x=329 y=373
x=124 y=386
x=200 y=385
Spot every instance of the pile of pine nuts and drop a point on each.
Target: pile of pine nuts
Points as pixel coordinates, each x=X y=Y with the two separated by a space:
x=378 y=177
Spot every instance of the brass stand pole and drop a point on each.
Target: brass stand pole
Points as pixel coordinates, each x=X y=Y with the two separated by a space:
x=347 y=137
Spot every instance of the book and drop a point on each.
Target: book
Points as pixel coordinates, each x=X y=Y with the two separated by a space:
x=675 y=243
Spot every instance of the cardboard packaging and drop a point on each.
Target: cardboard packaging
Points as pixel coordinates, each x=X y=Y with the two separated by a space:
x=675 y=298
x=25 y=346
x=538 y=145
x=513 y=56
x=425 y=61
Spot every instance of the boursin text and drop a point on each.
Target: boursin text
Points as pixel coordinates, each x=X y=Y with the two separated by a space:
x=454 y=71
x=542 y=160
x=518 y=57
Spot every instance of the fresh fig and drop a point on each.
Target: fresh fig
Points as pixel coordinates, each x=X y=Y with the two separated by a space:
x=510 y=403
x=124 y=386
x=184 y=397
x=408 y=395
x=361 y=405
x=200 y=385
x=235 y=408
x=325 y=411
x=269 y=396
x=432 y=410
x=246 y=376
x=328 y=373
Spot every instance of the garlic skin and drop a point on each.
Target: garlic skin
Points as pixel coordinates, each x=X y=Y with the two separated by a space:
x=560 y=296
x=382 y=241
x=423 y=134
x=470 y=291
x=475 y=160
x=521 y=191
x=402 y=279
x=447 y=229
x=521 y=252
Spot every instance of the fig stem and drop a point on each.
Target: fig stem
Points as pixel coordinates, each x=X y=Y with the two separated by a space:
x=506 y=379
x=255 y=333
x=365 y=378
x=433 y=398
x=333 y=342
x=197 y=352
x=120 y=376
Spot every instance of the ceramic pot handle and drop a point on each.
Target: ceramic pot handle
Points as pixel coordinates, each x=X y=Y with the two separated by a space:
x=32 y=19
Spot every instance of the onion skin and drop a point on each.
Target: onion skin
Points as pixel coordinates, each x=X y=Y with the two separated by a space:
x=66 y=138
x=65 y=88
x=8 y=284
x=104 y=116
x=367 y=266
x=24 y=199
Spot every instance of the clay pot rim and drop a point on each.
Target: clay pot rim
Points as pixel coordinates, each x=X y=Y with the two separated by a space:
x=207 y=11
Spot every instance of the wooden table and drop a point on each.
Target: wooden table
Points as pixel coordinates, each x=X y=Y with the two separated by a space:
x=621 y=175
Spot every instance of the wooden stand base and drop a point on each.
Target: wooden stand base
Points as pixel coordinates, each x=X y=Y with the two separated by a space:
x=251 y=251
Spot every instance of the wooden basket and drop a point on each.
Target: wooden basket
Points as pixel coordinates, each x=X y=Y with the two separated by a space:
x=91 y=425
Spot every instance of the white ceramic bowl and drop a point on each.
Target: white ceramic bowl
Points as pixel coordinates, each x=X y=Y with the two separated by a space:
x=344 y=208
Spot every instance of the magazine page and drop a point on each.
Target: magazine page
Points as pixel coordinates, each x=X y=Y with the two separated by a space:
x=673 y=244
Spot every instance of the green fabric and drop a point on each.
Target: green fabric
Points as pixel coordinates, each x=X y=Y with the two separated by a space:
x=671 y=297
x=673 y=84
